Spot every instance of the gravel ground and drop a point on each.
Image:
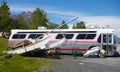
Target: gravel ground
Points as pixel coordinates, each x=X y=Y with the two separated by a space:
x=70 y=64
x=118 y=48
x=80 y=64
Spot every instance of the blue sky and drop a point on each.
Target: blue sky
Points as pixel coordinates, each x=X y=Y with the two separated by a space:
x=95 y=12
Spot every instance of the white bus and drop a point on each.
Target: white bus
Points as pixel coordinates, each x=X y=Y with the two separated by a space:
x=79 y=40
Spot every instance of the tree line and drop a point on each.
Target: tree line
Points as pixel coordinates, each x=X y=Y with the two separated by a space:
x=38 y=18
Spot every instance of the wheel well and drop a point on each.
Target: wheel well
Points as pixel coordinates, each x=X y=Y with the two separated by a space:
x=91 y=47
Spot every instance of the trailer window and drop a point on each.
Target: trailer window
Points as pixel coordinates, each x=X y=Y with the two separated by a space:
x=40 y=36
x=15 y=36
x=104 y=38
x=22 y=36
x=67 y=36
x=86 y=36
x=18 y=36
x=90 y=36
x=34 y=36
x=110 y=38
x=59 y=36
x=81 y=36
x=99 y=39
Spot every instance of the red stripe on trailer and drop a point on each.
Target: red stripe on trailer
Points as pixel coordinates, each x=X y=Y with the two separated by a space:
x=79 y=49
x=76 y=42
x=66 y=42
x=87 y=42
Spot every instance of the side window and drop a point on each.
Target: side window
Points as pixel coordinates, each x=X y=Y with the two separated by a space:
x=15 y=36
x=18 y=36
x=22 y=36
x=67 y=36
x=110 y=38
x=59 y=36
x=86 y=36
x=90 y=36
x=34 y=36
x=81 y=36
x=40 y=36
x=99 y=39
x=104 y=38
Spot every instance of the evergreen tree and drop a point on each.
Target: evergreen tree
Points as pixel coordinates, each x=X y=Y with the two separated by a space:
x=65 y=26
x=80 y=25
x=13 y=24
x=52 y=26
x=73 y=27
x=20 y=22
x=38 y=18
x=4 y=16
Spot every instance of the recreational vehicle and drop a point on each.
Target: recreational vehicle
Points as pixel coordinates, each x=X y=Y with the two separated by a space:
x=77 y=40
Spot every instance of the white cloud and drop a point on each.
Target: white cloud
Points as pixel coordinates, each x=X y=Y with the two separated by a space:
x=102 y=21
x=21 y=8
x=112 y=21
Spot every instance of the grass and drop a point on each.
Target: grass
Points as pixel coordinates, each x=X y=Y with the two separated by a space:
x=22 y=64
x=3 y=45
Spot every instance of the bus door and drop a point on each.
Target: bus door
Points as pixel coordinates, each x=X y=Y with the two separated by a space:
x=107 y=42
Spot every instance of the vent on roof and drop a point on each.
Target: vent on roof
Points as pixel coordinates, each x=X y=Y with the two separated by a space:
x=42 y=28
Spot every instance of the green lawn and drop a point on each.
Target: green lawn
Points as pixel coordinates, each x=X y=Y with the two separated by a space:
x=3 y=45
x=22 y=64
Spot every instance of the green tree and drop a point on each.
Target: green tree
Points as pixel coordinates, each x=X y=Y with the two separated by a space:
x=13 y=24
x=38 y=18
x=65 y=26
x=52 y=26
x=73 y=27
x=4 y=16
x=80 y=25
x=20 y=22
